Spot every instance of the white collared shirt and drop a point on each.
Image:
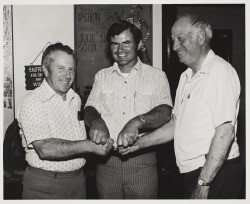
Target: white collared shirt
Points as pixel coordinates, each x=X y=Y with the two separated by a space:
x=44 y=114
x=119 y=99
x=203 y=102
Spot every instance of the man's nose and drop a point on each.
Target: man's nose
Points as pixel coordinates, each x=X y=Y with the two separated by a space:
x=66 y=74
x=176 y=44
x=120 y=47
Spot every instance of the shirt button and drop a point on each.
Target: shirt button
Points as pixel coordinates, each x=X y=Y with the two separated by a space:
x=125 y=82
x=124 y=96
x=123 y=113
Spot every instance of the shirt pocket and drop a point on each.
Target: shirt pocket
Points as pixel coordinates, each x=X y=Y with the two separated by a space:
x=142 y=102
x=197 y=109
x=107 y=101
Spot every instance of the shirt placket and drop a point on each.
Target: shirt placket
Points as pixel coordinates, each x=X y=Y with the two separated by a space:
x=69 y=118
x=124 y=98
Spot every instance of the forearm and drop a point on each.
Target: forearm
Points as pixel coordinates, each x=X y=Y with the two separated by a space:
x=155 y=118
x=90 y=115
x=218 y=152
x=161 y=135
x=58 y=149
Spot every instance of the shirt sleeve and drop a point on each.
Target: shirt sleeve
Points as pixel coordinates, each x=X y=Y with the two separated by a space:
x=224 y=96
x=162 y=93
x=94 y=96
x=32 y=120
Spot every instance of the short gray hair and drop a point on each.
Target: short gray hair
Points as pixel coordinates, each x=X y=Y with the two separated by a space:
x=199 y=23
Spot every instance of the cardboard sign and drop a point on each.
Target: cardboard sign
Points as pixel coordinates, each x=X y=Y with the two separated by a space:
x=34 y=76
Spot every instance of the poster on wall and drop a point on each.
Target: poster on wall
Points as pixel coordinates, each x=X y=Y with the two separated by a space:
x=91 y=25
x=8 y=108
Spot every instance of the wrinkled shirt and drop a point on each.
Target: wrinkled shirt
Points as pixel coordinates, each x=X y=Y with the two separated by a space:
x=119 y=99
x=43 y=114
x=203 y=102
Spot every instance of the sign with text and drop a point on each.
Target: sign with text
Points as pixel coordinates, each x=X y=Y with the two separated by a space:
x=91 y=25
x=34 y=76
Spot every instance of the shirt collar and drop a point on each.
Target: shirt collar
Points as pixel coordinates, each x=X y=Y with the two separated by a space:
x=48 y=93
x=204 y=68
x=137 y=67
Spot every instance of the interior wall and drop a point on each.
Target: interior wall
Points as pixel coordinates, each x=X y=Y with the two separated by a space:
x=157 y=36
x=36 y=25
x=33 y=27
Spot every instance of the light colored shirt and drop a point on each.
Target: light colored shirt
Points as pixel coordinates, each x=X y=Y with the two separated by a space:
x=44 y=114
x=203 y=102
x=119 y=99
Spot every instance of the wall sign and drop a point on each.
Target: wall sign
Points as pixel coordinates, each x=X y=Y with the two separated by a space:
x=34 y=76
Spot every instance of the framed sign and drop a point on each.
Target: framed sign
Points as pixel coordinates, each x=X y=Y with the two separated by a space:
x=33 y=76
x=91 y=25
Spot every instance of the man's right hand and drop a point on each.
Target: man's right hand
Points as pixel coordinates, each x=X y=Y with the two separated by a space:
x=99 y=132
x=103 y=149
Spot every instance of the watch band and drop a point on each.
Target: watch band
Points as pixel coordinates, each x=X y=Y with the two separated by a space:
x=201 y=182
x=142 y=118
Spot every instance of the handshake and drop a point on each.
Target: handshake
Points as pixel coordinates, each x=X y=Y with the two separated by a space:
x=102 y=143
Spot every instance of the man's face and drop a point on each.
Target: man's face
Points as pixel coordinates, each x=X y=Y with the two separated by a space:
x=61 y=74
x=186 y=43
x=124 y=50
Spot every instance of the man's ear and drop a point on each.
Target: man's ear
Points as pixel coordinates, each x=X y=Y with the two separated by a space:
x=45 y=71
x=202 y=37
x=140 y=45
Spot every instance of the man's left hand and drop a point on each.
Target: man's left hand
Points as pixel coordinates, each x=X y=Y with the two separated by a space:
x=128 y=134
x=200 y=192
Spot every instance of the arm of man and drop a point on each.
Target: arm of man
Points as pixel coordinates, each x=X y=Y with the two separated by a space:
x=223 y=101
x=59 y=149
x=98 y=132
x=218 y=152
x=159 y=136
x=155 y=118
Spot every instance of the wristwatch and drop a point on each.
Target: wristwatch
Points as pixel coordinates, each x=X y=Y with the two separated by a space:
x=142 y=118
x=201 y=182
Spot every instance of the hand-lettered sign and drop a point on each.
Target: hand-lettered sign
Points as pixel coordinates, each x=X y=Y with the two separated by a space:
x=91 y=25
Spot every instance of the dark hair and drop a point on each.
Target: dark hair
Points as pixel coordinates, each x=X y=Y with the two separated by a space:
x=47 y=58
x=122 y=25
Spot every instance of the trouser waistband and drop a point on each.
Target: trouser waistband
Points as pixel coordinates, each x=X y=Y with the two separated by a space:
x=54 y=174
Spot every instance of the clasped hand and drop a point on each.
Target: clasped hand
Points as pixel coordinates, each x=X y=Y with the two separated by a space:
x=99 y=134
x=128 y=135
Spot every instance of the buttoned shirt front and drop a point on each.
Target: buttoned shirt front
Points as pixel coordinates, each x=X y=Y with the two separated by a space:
x=119 y=99
x=203 y=102
x=43 y=114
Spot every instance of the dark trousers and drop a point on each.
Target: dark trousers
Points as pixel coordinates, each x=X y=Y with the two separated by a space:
x=227 y=184
x=42 y=184
x=127 y=178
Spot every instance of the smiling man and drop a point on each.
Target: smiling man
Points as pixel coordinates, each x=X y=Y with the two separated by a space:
x=127 y=98
x=205 y=112
x=53 y=137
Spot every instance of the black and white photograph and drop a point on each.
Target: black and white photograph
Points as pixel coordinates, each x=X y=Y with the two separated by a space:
x=135 y=100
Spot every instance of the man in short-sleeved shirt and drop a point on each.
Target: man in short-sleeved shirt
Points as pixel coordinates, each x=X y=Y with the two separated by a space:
x=126 y=99
x=206 y=110
x=53 y=137
x=210 y=98
x=205 y=115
